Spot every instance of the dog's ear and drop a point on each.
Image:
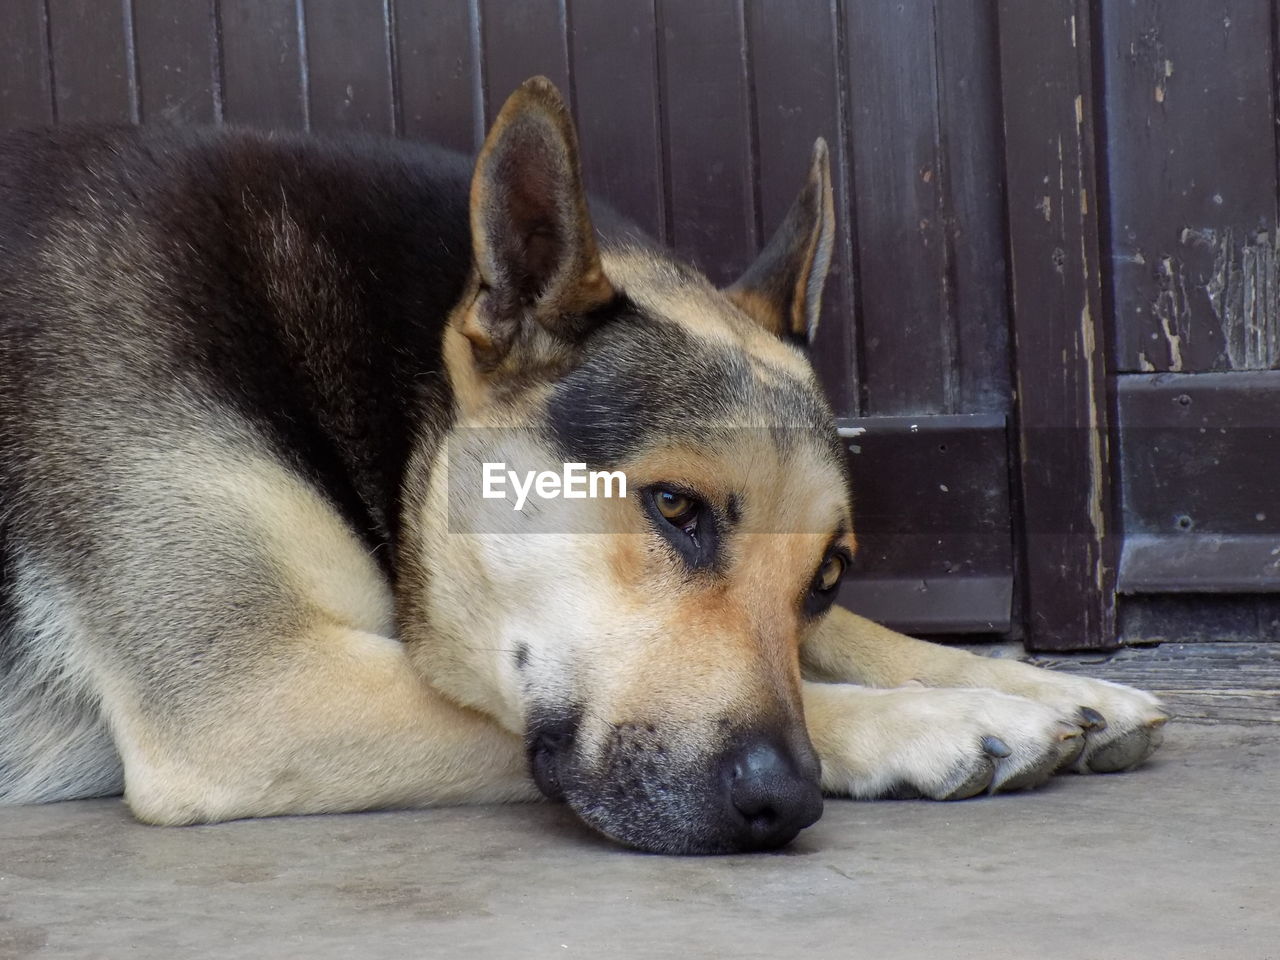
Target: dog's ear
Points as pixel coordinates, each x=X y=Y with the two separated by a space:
x=782 y=290
x=532 y=240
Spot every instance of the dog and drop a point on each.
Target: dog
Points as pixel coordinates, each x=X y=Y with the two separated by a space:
x=248 y=387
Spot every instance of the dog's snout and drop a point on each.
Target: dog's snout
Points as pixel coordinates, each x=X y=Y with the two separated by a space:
x=772 y=793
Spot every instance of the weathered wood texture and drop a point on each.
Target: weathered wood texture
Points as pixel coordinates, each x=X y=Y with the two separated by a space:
x=1190 y=120
x=1222 y=682
x=1059 y=345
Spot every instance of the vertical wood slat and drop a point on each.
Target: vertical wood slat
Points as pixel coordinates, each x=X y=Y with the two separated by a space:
x=262 y=65
x=26 y=93
x=177 y=72
x=522 y=40
x=973 y=204
x=92 y=60
x=439 y=82
x=797 y=99
x=1062 y=409
x=710 y=195
x=348 y=66
x=906 y=326
x=1190 y=118
x=613 y=49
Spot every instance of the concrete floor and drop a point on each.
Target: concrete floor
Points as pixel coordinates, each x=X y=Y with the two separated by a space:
x=1178 y=860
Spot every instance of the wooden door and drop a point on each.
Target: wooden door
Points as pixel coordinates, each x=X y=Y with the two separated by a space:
x=1050 y=332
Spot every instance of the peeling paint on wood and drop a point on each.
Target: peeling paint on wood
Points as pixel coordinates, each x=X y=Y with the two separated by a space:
x=1171 y=308
x=1222 y=283
x=1191 y=183
x=1243 y=291
x=1245 y=295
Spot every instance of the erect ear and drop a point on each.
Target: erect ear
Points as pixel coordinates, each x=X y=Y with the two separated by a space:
x=532 y=240
x=782 y=290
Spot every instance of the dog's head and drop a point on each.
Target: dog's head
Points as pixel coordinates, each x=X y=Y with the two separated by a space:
x=646 y=646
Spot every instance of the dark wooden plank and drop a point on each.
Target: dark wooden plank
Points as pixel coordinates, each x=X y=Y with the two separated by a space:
x=349 y=65
x=907 y=328
x=613 y=48
x=177 y=68
x=1198 y=468
x=707 y=131
x=26 y=97
x=972 y=178
x=1199 y=563
x=1062 y=411
x=437 y=43
x=1197 y=618
x=931 y=494
x=93 y=66
x=932 y=518
x=262 y=64
x=1192 y=183
x=939 y=609
x=797 y=80
x=522 y=40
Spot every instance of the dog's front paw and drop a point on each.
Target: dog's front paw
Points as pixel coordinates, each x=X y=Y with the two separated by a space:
x=1123 y=726
x=944 y=744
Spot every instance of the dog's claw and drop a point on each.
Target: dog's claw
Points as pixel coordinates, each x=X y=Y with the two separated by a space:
x=1075 y=746
x=996 y=747
x=1091 y=719
x=977 y=782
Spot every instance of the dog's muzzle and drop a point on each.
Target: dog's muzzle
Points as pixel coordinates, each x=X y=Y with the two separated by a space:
x=756 y=793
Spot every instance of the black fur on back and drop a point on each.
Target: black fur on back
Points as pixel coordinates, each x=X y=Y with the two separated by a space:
x=302 y=282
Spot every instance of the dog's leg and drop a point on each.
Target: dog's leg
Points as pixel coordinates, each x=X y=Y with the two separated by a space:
x=1122 y=726
x=338 y=721
x=240 y=652
x=944 y=744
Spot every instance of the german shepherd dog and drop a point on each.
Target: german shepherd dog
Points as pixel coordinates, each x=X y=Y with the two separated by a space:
x=247 y=384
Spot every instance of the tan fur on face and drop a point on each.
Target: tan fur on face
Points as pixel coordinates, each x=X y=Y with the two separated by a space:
x=751 y=616
x=690 y=300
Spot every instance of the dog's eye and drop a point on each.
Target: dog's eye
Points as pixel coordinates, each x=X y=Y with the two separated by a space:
x=685 y=522
x=829 y=573
x=678 y=509
x=822 y=591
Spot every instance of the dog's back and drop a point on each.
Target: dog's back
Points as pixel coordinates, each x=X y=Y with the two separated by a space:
x=157 y=288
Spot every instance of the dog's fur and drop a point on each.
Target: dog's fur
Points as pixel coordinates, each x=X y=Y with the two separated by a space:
x=246 y=384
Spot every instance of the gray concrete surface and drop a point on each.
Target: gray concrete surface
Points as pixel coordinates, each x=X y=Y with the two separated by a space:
x=1178 y=860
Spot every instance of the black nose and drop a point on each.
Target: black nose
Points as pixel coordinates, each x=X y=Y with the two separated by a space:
x=771 y=798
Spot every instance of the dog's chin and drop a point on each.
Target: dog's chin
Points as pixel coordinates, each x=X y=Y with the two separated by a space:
x=676 y=824
x=653 y=817
x=644 y=799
